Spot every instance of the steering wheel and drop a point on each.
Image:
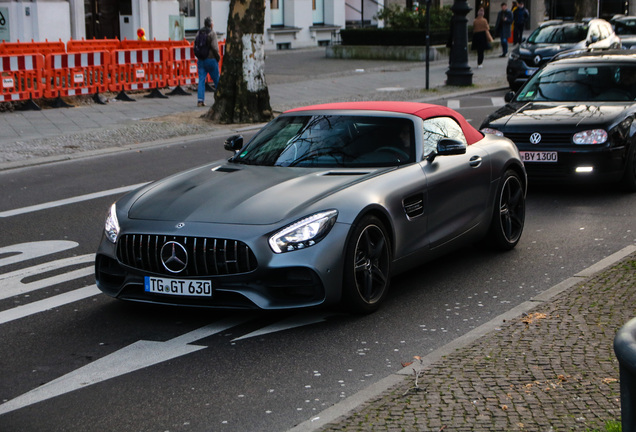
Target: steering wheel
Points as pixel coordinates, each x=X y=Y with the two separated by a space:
x=402 y=155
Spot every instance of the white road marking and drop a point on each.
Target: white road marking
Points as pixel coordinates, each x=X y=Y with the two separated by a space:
x=453 y=104
x=498 y=101
x=289 y=323
x=27 y=251
x=11 y=283
x=48 y=304
x=134 y=357
x=66 y=201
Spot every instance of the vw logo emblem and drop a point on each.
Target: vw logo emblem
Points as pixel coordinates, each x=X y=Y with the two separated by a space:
x=535 y=138
x=180 y=225
x=174 y=257
x=537 y=60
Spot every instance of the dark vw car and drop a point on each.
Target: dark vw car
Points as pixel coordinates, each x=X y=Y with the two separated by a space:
x=574 y=119
x=557 y=37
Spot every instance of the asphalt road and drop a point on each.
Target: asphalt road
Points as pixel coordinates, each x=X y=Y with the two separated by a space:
x=72 y=359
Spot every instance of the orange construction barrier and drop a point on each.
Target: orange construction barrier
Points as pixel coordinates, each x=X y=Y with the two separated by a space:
x=21 y=76
x=32 y=47
x=83 y=45
x=77 y=73
x=147 y=44
x=222 y=53
x=139 y=69
x=183 y=68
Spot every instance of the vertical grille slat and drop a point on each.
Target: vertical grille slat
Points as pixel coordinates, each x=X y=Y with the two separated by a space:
x=206 y=256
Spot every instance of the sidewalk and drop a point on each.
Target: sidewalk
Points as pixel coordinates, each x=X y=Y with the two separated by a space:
x=295 y=78
x=550 y=367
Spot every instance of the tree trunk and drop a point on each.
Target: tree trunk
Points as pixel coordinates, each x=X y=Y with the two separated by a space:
x=242 y=96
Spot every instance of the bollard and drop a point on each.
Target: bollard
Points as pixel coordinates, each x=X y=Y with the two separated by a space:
x=625 y=350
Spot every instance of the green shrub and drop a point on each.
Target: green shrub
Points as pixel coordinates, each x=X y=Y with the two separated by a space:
x=397 y=17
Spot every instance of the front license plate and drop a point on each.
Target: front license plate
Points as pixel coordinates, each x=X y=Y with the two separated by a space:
x=180 y=287
x=539 y=156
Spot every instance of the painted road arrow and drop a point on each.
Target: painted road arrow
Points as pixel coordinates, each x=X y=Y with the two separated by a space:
x=134 y=357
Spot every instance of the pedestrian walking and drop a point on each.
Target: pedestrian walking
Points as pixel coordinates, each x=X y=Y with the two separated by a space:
x=206 y=49
x=481 y=36
x=502 y=27
x=521 y=17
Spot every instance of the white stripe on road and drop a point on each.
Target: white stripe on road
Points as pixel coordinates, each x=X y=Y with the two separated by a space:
x=48 y=304
x=498 y=101
x=453 y=104
x=66 y=201
x=11 y=283
x=26 y=251
x=139 y=355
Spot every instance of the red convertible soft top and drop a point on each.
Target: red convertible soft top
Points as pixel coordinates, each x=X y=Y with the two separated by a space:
x=421 y=110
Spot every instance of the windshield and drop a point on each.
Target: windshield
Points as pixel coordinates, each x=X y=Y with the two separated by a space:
x=625 y=27
x=608 y=83
x=555 y=34
x=331 y=141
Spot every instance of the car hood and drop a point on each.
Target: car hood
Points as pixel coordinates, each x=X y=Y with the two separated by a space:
x=543 y=50
x=242 y=194
x=556 y=114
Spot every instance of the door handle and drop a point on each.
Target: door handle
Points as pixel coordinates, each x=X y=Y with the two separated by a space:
x=475 y=161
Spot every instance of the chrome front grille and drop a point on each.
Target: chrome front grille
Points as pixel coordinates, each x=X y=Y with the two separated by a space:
x=206 y=256
x=546 y=138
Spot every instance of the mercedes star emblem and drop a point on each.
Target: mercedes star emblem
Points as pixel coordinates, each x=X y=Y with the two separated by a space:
x=535 y=138
x=174 y=257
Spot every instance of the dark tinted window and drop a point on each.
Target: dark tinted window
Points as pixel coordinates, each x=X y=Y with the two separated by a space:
x=331 y=141
x=625 y=27
x=598 y=82
x=570 y=33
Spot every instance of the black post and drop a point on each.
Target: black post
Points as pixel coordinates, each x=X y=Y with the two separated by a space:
x=625 y=349
x=428 y=40
x=459 y=72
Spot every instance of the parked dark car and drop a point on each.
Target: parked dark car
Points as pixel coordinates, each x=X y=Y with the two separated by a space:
x=574 y=120
x=625 y=28
x=557 y=37
x=322 y=206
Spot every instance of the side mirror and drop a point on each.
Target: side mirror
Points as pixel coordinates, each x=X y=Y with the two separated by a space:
x=448 y=147
x=234 y=143
x=509 y=96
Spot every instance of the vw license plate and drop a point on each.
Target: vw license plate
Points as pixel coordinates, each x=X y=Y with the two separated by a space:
x=180 y=287
x=539 y=156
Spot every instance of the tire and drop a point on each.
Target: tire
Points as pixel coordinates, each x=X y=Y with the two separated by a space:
x=629 y=178
x=509 y=212
x=367 y=266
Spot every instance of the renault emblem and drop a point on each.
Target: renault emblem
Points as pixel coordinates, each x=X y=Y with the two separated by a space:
x=537 y=60
x=174 y=257
x=535 y=138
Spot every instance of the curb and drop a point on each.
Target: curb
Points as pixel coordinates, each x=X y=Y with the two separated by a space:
x=343 y=408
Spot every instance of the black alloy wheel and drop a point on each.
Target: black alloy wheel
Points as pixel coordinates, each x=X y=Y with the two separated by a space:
x=367 y=266
x=509 y=212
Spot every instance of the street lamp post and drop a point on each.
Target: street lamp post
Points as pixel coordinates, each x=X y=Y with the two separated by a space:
x=459 y=72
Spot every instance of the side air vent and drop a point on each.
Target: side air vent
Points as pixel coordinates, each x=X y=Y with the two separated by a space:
x=414 y=206
x=345 y=173
x=225 y=169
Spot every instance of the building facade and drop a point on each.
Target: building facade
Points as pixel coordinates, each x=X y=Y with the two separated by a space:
x=289 y=24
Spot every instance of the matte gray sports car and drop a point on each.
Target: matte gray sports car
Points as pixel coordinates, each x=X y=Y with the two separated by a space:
x=321 y=207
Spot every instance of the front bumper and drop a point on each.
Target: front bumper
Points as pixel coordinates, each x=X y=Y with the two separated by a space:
x=299 y=279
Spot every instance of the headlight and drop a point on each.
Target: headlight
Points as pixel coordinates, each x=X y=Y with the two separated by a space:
x=111 y=227
x=513 y=56
x=492 y=131
x=304 y=233
x=594 y=136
